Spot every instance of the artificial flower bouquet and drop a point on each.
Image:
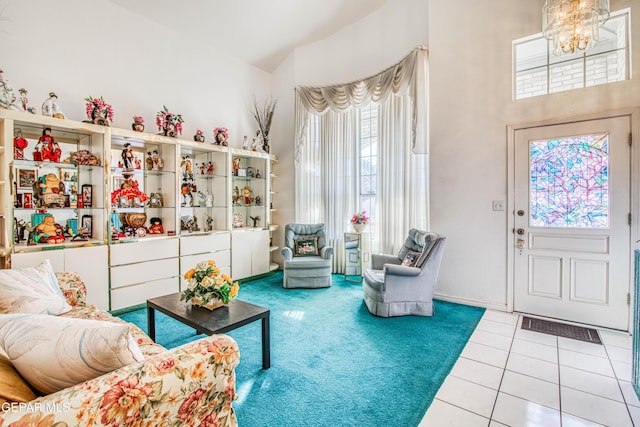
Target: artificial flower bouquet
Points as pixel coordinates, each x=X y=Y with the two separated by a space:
x=205 y=283
x=360 y=218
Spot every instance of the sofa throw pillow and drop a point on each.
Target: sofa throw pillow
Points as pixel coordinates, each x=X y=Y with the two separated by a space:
x=31 y=290
x=52 y=353
x=411 y=258
x=13 y=387
x=306 y=247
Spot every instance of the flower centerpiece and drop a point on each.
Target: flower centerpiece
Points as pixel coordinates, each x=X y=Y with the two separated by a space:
x=221 y=136
x=206 y=287
x=199 y=136
x=360 y=220
x=98 y=111
x=170 y=124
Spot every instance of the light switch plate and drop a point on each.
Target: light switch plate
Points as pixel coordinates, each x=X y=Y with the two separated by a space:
x=498 y=205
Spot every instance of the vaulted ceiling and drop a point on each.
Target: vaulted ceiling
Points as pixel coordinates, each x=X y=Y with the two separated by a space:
x=259 y=32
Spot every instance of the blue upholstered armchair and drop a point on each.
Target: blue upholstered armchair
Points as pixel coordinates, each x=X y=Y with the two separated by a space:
x=307 y=258
x=403 y=285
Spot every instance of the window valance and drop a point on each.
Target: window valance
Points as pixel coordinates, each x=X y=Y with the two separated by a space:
x=407 y=76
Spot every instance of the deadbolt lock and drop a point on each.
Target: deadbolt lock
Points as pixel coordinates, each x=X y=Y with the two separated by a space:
x=520 y=231
x=520 y=212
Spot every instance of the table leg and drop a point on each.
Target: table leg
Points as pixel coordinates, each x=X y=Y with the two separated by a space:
x=151 y=323
x=266 y=343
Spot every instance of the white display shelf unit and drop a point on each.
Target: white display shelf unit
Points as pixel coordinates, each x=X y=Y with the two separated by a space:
x=118 y=270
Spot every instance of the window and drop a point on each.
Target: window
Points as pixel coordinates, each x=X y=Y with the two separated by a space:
x=368 y=145
x=537 y=71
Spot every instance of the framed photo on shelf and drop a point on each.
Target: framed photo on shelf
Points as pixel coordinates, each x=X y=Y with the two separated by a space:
x=26 y=178
x=242 y=172
x=87 y=194
x=87 y=224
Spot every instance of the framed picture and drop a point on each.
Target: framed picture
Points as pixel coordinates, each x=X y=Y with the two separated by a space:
x=87 y=193
x=87 y=224
x=26 y=178
x=242 y=171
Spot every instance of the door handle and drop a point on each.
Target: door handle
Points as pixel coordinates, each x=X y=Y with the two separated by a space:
x=520 y=231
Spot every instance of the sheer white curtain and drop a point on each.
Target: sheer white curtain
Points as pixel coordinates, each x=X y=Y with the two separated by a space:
x=327 y=154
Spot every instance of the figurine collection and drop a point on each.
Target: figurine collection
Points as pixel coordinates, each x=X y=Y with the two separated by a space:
x=50 y=191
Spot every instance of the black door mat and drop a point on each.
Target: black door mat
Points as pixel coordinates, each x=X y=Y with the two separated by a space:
x=561 y=330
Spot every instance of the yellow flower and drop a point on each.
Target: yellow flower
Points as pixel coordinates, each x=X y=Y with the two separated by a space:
x=216 y=271
x=212 y=263
x=227 y=278
x=234 y=290
x=189 y=274
x=219 y=281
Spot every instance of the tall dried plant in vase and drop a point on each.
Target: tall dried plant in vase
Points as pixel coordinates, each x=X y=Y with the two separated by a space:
x=263 y=113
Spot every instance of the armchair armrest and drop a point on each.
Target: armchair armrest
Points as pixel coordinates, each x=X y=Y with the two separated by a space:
x=401 y=270
x=326 y=252
x=287 y=253
x=194 y=383
x=379 y=260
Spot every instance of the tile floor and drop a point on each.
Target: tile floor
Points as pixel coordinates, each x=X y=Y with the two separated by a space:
x=507 y=376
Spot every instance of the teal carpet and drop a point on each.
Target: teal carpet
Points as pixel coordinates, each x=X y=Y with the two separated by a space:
x=332 y=362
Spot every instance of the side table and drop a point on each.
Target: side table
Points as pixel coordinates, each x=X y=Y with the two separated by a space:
x=357 y=248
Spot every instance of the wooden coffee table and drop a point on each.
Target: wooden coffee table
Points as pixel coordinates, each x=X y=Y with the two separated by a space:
x=219 y=321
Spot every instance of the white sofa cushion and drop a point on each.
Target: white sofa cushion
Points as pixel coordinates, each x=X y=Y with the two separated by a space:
x=31 y=290
x=52 y=353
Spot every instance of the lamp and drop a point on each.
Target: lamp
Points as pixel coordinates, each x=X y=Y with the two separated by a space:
x=573 y=24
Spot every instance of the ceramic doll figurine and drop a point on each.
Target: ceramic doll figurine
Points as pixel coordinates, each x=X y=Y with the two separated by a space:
x=206 y=198
x=149 y=161
x=156 y=226
x=49 y=148
x=50 y=107
x=245 y=143
x=158 y=163
x=127 y=156
x=210 y=168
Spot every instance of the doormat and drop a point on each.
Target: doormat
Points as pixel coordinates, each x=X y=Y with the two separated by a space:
x=561 y=330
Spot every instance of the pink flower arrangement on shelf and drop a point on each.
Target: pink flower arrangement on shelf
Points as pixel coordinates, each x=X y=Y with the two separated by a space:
x=97 y=109
x=138 y=119
x=199 y=132
x=221 y=136
x=170 y=124
x=360 y=218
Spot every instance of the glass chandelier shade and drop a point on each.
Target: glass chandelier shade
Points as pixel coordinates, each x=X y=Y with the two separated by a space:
x=573 y=24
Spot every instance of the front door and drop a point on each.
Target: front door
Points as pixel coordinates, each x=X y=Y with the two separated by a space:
x=572 y=234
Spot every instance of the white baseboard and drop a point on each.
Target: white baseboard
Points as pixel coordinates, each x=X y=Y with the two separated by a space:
x=474 y=303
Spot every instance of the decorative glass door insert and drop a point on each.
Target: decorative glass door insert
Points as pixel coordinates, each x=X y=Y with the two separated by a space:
x=569 y=182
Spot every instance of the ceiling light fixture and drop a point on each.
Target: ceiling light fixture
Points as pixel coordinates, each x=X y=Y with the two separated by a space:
x=573 y=24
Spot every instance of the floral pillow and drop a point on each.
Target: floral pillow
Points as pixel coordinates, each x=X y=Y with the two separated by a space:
x=31 y=290
x=306 y=247
x=52 y=352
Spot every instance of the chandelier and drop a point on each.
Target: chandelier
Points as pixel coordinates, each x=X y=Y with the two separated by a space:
x=573 y=24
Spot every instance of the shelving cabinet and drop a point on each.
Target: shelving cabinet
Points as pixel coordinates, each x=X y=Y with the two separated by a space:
x=204 y=202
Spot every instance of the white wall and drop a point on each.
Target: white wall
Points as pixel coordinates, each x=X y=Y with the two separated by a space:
x=79 y=48
x=470 y=108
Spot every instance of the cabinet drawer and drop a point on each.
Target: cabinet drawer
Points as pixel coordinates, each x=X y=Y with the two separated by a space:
x=139 y=294
x=129 y=253
x=125 y=275
x=191 y=245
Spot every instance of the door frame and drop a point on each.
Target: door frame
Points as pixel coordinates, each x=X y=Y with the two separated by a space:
x=633 y=115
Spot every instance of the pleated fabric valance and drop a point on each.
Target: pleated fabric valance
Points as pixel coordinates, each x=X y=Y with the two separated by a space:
x=407 y=77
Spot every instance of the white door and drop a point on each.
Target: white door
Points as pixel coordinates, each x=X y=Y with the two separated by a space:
x=572 y=233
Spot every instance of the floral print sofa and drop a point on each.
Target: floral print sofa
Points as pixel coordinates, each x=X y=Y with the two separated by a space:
x=192 y=385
